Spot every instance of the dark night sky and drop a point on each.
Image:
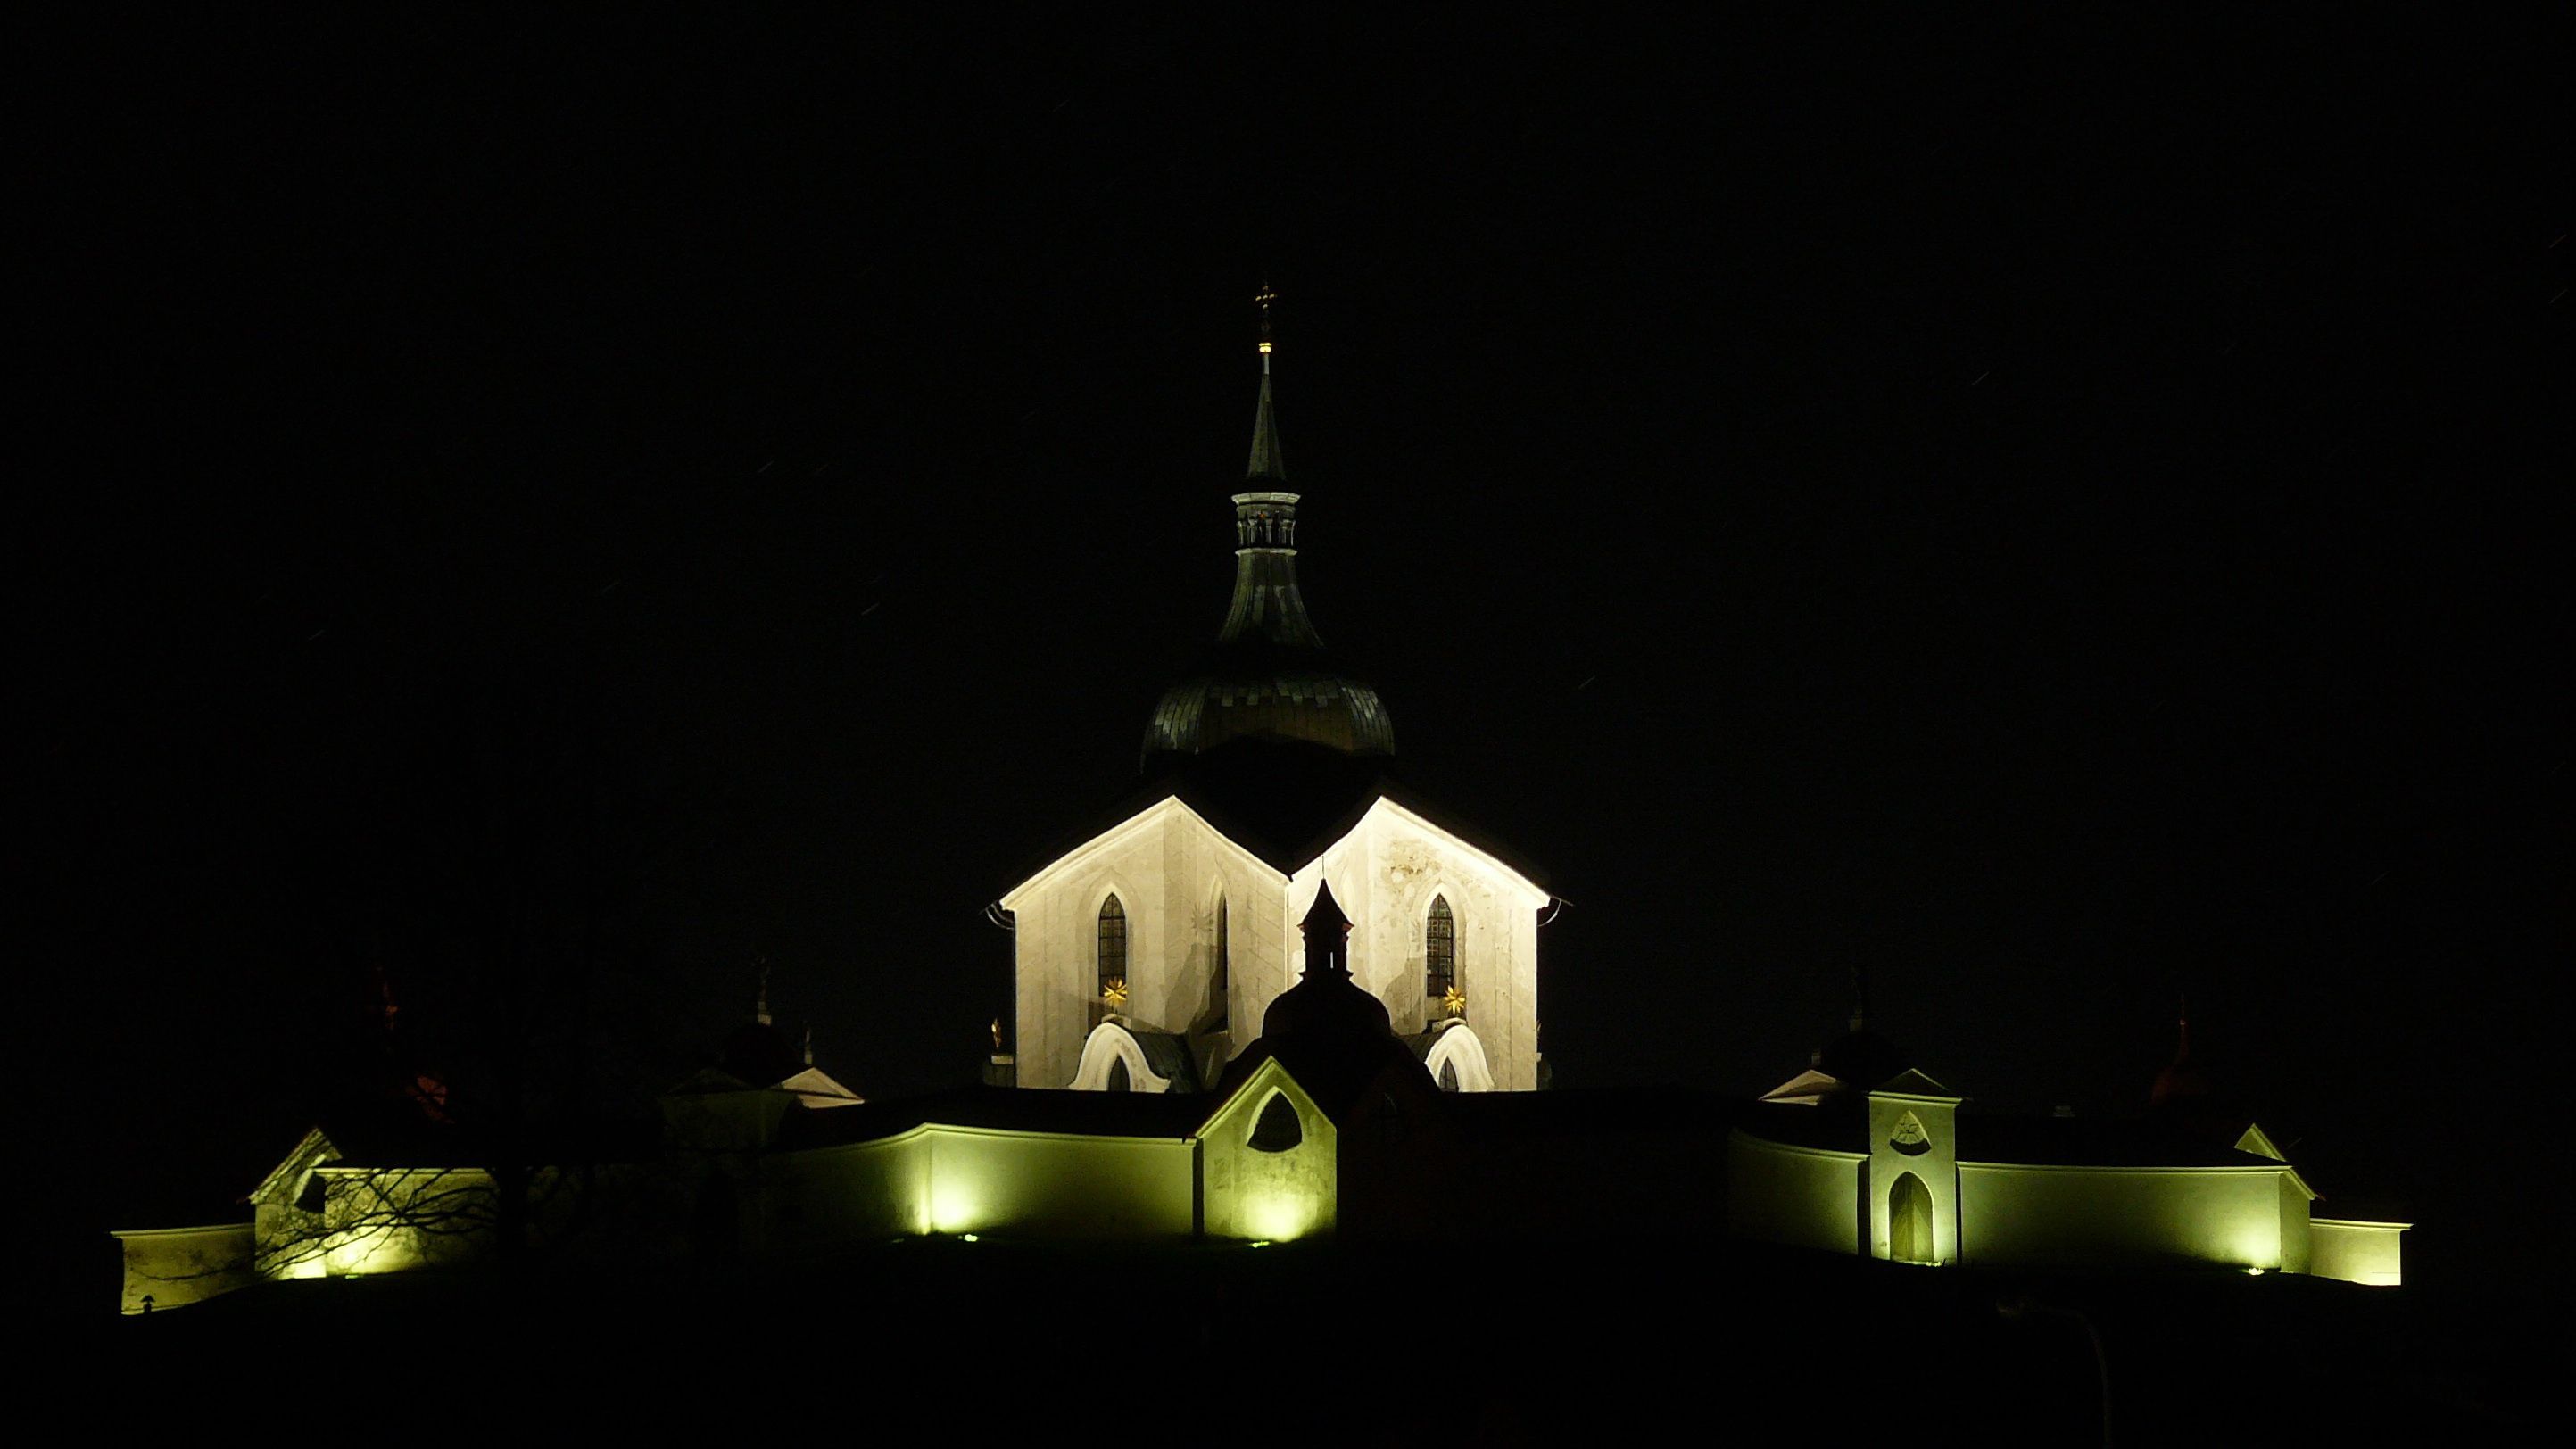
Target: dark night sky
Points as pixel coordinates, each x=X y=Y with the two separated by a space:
x=2060 y=511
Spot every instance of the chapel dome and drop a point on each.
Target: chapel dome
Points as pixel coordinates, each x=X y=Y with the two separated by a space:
x=1327 y=1006
x=1334 y=1034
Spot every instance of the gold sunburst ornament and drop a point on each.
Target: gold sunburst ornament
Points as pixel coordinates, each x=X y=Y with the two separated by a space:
x=1113 y=992
x=1454 y=1002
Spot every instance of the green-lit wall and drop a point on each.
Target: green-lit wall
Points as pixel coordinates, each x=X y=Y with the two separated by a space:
x=1796 y=1195
x=863 y=1192
x=2025 y=1214
x=176 y=1266
x=941 y=1179
x=2355 y=1252
x=1093 y=1186
x=1269 y=1196
x=2294 y=1226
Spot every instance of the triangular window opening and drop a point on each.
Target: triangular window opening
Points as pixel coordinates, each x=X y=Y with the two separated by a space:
x=1277 y=1129
x=1909 y=1136
x=1448 y=1076
x=1119 y=1081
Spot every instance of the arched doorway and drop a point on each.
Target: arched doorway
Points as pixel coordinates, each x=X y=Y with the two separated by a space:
x=1909 y=1220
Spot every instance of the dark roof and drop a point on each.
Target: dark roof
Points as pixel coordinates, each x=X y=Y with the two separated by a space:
x=1170 y=1057
x=1243 y=698
x=1285 y=802
x=1839 y=1123
x=1861 y=1059
x=1590 y=1111
x=2098 y=1142
x=760 y=1054
x=392 y=1141
x=1842 y=1125
x=1014 y=1109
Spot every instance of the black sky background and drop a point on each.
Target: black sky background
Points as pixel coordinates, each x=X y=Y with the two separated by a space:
x=2057 y=510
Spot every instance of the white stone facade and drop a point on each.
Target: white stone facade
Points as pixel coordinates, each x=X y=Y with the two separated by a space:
x=1172 y=871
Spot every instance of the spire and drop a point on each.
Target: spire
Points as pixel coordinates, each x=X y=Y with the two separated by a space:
x=1860 y=998
x=1267 y=466
x=760 y=1006
x=1266 y=602
x=2181 y=1084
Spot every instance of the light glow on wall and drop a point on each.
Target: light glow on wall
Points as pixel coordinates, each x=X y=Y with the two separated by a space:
x=955 y=1209
x=1282 y=1216
x=376 y=1250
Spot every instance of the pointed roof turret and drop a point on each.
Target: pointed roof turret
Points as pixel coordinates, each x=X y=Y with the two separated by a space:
x=1329 y=1030
x=1328 y=933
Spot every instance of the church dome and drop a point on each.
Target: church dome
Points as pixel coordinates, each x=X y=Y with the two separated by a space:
x=1240 y=695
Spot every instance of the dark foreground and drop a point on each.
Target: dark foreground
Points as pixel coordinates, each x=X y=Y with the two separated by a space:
x=953 y=1342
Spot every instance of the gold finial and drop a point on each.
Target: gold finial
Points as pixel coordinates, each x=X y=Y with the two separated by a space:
x=1454 y=1002
x=1263 y=299
x=1113 y=993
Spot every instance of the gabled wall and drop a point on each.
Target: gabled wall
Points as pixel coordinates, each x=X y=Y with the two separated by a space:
x=1169 y=867
x=1273 y=1196
x=1385 y=874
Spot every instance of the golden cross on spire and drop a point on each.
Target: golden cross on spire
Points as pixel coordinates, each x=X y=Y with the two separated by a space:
x=1263 y=299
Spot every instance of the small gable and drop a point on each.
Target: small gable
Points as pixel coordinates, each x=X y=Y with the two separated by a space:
x=2256 y=1141
x=1912 y=1083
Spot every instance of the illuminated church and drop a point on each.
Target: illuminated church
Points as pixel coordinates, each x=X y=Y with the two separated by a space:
x=1275 y=994
x=1148 y=950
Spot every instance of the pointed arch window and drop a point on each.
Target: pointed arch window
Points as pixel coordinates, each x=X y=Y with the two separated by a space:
x=1909 y=1220
x=1439 y=953
x=1222 y=987
x=1111 y=990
